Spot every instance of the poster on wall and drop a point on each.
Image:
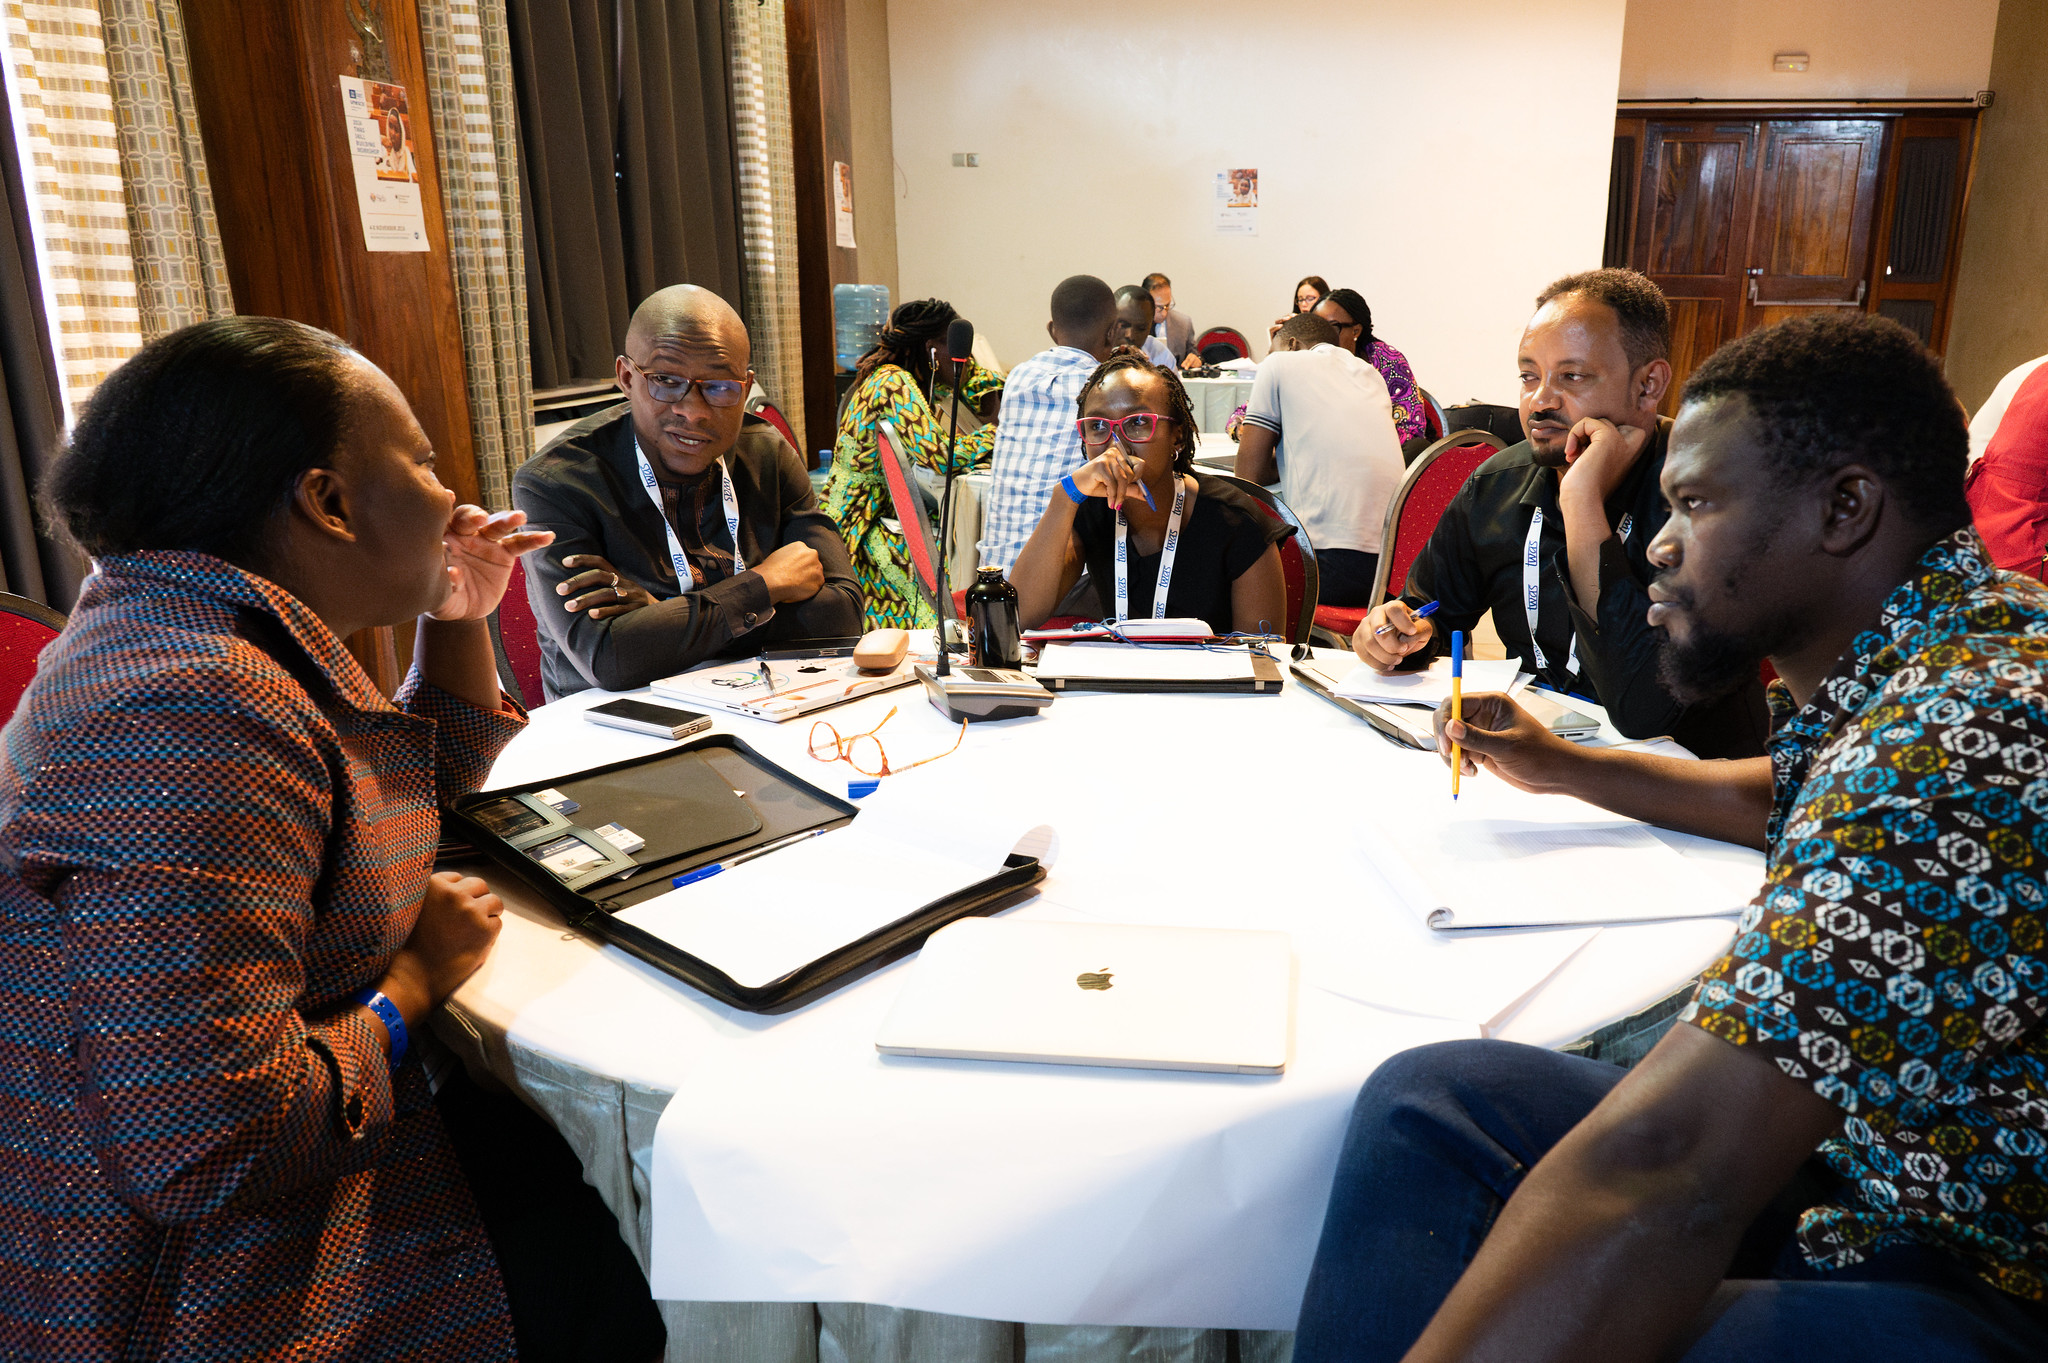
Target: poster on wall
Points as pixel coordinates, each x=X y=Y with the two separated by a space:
x=1237 y=203
x=387 y=169
x=842 y=204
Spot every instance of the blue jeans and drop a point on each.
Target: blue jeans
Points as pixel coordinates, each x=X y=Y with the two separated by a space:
x=1441 y=1137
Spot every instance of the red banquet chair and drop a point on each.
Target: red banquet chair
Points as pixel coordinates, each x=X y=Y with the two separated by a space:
x=1219 y=338
x=772 y=414
x=919 y=538
x=26 y=628
x=1297 y=561
x=515 y=638
x=1419 y=501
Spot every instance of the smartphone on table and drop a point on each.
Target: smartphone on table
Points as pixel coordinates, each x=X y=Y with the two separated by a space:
x=645 y=717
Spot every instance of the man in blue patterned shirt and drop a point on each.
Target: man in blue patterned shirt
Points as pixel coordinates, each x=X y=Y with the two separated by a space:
x=1036 y=439
x=1845 y=1154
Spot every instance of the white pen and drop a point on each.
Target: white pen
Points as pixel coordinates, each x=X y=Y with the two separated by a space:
x=705 y=872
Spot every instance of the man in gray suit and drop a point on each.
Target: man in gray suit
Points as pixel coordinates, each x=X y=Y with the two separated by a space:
x=684 y=531
x=1172 y=325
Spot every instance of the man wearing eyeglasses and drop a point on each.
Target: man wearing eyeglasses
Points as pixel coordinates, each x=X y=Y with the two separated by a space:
x=684 y=530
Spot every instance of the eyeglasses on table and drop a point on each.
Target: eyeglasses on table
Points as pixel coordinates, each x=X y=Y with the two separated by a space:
x=864 y=752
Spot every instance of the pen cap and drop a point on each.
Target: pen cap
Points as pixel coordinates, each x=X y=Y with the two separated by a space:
x=1457 y=653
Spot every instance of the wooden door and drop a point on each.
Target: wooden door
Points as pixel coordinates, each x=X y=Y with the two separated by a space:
x=1691 y=231
x=1816 y=199
x=1920 y=223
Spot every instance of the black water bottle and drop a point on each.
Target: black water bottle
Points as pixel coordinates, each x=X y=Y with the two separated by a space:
x=992 y=611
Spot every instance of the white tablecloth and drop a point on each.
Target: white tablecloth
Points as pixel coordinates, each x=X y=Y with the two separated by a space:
x=1215 y=399
x=795 y=1165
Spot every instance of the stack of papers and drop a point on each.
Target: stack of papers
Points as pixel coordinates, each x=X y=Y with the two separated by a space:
x=1430 y=687
x=1137 y=662
x=1171 y=628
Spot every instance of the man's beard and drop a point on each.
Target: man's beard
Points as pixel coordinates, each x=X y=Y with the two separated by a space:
x=1711 y=664
x=1540 y=457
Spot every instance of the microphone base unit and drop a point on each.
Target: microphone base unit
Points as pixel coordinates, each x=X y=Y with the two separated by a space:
x=978 y=693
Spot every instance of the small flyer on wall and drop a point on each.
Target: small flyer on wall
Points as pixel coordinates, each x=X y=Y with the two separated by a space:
x=1237 y=203
x=842 y=204
x=386 y=167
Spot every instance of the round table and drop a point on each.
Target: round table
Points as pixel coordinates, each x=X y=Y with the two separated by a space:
x=760 y=1165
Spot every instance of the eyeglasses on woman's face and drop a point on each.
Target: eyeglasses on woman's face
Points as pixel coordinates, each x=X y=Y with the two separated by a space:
x=1136 y=429
x=669 y=390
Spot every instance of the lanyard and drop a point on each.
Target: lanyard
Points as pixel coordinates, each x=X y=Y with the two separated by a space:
x=684 y=568
x=1166 y=553
x=1532 y=587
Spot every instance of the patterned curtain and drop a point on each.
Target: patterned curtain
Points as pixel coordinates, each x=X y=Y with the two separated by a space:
x=71 y=154
x=767 y=193
x=181 y=274
x=470 y=90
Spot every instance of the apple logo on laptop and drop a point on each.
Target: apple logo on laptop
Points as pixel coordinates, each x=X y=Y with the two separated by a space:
x=1089 y=979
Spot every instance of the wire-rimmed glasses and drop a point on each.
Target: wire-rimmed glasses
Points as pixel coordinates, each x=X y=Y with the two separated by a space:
x=864 y=752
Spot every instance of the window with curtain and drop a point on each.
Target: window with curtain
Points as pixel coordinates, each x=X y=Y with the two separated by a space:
x=627 y=181
x=63 y=107
x=766 y=159
x=468 y=53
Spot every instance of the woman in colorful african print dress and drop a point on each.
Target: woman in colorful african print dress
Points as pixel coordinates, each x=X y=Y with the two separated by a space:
x=890 y=386
x=1351 y=316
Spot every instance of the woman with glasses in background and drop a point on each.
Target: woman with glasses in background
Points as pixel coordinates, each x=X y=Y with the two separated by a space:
x=904 y=381
x=1211 y=544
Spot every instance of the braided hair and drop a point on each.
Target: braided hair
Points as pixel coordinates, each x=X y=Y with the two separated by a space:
x=1185 y=427
x=1360 y=312
x=906 y=342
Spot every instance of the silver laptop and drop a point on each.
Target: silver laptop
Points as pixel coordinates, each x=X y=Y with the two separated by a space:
x=1099 y=994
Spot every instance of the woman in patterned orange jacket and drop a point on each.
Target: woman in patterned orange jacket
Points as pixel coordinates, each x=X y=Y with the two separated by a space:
x=218 y=930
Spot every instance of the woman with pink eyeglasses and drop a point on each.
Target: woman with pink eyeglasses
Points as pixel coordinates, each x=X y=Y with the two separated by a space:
x=1158 y=540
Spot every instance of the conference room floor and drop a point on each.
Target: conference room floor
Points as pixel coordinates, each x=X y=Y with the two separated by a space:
x=1180 y=1227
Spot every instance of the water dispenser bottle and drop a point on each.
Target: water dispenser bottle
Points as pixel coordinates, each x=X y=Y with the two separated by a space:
x=859 y=312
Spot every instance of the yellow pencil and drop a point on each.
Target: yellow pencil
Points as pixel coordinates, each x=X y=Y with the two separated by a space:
x=1457 y=704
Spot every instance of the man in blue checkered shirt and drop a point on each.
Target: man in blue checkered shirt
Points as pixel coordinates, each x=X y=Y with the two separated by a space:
x=1036 y=440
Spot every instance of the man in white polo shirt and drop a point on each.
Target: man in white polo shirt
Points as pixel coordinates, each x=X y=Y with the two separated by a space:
x=1321 y=418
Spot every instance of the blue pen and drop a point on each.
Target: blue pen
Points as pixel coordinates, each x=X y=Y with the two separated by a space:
x=706 y=872
x=1422 y=614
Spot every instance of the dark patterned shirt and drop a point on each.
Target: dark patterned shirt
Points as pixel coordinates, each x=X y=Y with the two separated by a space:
x=1897 y=956
x=213 y=830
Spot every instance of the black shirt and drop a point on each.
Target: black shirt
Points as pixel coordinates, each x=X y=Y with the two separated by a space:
x=585 y=486
x=1473 y=563
x=1224 y=531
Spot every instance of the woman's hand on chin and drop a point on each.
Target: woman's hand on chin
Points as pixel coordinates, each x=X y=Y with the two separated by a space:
x=481 y=546
x=1112 y=477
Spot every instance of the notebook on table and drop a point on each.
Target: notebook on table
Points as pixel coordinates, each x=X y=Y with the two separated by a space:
x=1114 y=994
x=779 y=689
x=1091 y=666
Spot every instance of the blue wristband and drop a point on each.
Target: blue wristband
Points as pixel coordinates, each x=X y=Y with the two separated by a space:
x=1073 y=488
x=394 y=1021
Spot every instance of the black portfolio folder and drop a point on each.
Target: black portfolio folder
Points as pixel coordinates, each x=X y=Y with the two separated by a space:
x=708 y=800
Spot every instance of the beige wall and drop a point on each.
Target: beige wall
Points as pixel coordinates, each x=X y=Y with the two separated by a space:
x=1860 y=49
x=2001 y=316
x=874 y=152
x=1101 y=128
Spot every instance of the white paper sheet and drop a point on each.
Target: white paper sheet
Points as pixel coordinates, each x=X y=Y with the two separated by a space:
x=777 y=913
x=1135 y=662
x=1509 y=860
x=1432 y=685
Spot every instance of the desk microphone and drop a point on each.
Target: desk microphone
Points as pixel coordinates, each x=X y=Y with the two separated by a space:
x=976 y=692
x=959 y=345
